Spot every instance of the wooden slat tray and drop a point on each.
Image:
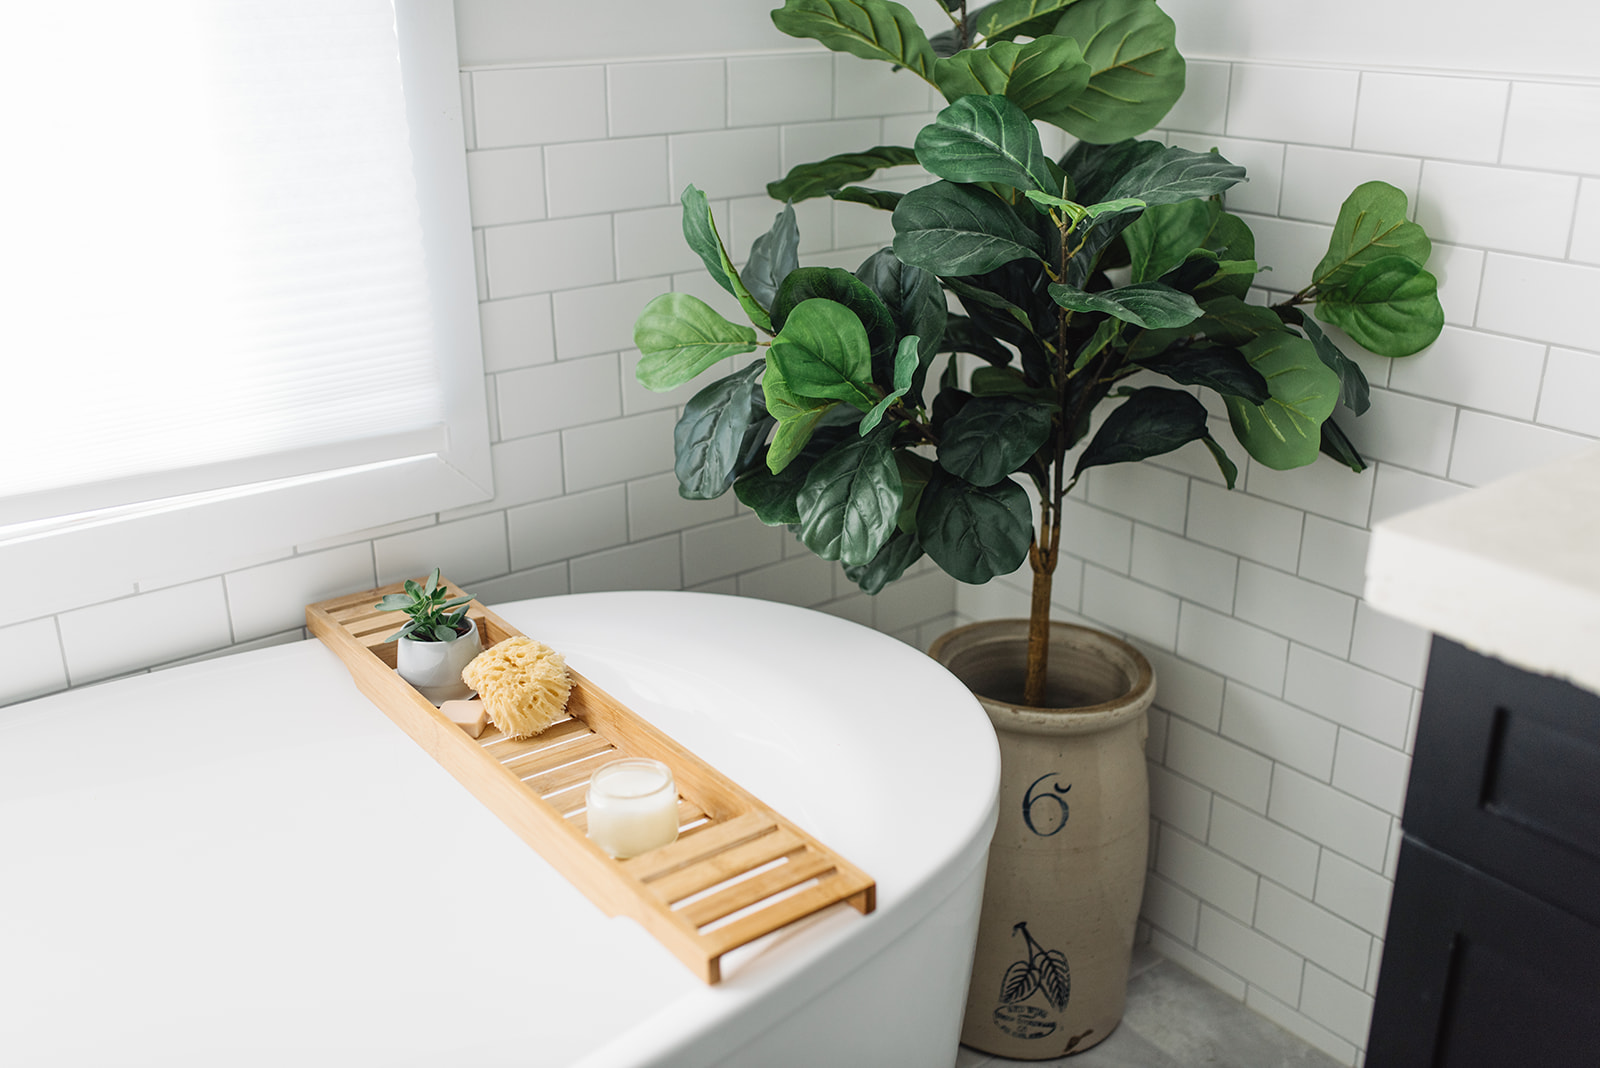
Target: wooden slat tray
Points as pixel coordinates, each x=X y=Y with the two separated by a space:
x=738 y=870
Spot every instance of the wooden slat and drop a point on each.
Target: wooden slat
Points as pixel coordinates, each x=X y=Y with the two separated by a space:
x=725 y=865
x=733 y=832
x=689 y=851
x=724 y=902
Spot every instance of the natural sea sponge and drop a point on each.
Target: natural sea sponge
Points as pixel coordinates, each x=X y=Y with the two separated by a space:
x=523 y=684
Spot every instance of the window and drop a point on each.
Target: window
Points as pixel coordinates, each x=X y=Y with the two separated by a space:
x=239 y=276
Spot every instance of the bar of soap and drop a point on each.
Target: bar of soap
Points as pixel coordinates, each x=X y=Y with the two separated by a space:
x=470 y=715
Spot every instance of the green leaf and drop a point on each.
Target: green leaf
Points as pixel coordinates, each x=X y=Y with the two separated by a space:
x=1041 y=77
x=774 y=254
x=990 y=437
x=797 y=416
x=959 y=229
x=1147 y=304
x=882 y=199
x=1152 y=421
x=822 y=353
x=700 y=231
x=961 y=334
x=1353 y=390
x=1164 y=235
x=1390 y=306
x=1286 y=431
x=851 y=499
x=679 y=335
x=816 y=179
x=898 y=553
x=905 y=366
x=719 y=434
x=974 y=532
x=871 y=29
x=841 y=287
x=1372 y=224
x=1220 y=368
x=985 y=139
x=1169 y=175
x=1011 y=18
x=1137 y=71
x=1007 y=382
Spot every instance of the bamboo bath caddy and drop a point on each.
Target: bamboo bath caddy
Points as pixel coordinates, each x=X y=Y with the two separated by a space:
x=728 y=880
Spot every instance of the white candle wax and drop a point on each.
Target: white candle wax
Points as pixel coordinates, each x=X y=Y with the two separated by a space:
x=633 y=807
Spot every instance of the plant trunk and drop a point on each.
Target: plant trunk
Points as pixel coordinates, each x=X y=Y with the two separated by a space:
x=1042 y=556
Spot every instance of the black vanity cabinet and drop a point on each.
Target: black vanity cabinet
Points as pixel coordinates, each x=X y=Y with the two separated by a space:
x=1492 y=956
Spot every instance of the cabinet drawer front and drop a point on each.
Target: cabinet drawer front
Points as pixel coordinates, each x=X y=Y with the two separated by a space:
x=1477 y=974
x=1506 y=776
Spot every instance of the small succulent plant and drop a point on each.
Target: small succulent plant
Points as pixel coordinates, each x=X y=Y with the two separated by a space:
x=427 y=605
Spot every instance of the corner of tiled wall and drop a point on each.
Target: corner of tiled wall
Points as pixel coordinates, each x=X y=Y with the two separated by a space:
x=574 y=174
x=1286 y=707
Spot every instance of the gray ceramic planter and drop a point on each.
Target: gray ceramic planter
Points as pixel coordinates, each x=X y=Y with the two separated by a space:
x=1066 y=868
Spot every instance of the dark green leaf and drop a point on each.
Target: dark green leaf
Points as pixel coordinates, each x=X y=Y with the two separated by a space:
x=1372 y=223
x=1389 y=306
x=851 y=500
x=871 y=29
x=841 y=287
x=816 y=179
x=1336 y=444
x=905 y=366
x=1229 y=278
x=962 y=335
x=1012 y=18
x=774 y=254
x=1353 y=390
x=772 y=495
x=1230 y=321
x=974 y=532
x=1041 y=77
x=1175 y=174
x=915 y=301
x=1094 y=169
x=1138 y=73
x=1286 y=431
x=1150 y=422
x=914 y=474
x=679 y=335
x=882 y=199
x=700 y=231
x=958 y=230
x=898 y=553
x=985 y=139
x=993 y=436
x=1148 y=304
x=1006 y=382
x=1220 y=368
x=1225 y=464
x=822 y=352
x=719 y=433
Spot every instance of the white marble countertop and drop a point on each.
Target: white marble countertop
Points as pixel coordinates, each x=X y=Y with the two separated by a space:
x=243 y=861
x=1510 y=570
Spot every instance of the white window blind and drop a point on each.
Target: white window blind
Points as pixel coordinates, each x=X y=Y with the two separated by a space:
x=236 y=261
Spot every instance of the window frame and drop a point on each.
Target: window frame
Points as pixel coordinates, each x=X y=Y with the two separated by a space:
x=120 y=550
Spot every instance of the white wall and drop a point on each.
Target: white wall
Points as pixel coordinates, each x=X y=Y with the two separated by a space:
x=1286 y=706
x=574 y=174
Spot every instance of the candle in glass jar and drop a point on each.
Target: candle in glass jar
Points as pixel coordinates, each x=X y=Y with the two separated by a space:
x=632 y=807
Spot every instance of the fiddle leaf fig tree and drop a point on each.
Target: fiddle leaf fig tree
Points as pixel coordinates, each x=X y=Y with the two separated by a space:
x=1099 y=298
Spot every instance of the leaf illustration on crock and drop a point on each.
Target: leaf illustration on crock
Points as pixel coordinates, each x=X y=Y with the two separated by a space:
x=1019 y=983
x=1054 y=977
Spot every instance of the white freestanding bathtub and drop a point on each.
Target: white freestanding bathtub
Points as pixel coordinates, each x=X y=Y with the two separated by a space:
x=242 y=861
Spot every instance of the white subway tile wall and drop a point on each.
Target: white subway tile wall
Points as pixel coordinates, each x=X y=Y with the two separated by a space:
x=574 y=174
x=1286 y=709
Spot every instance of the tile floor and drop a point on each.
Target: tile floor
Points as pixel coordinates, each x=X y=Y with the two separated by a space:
x=1176 y=1020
